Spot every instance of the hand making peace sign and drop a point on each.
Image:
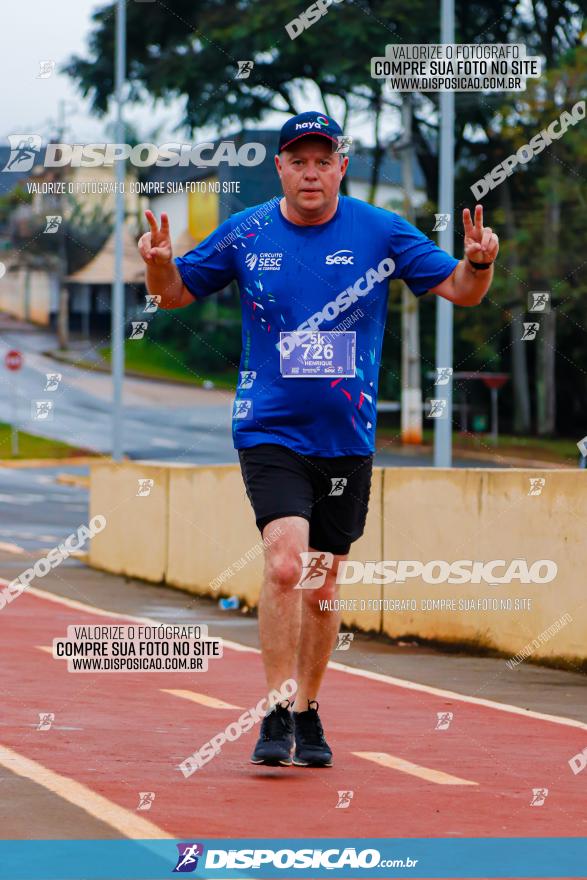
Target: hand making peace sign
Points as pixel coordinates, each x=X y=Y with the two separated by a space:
x=155 y=246
x=481 y=243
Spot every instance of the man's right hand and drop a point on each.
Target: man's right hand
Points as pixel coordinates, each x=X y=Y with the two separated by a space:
x=155 y=246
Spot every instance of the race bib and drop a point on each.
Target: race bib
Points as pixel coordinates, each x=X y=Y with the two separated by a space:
x=317 y=354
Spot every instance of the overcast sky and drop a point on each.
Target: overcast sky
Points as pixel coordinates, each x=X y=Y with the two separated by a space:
x=39 y=30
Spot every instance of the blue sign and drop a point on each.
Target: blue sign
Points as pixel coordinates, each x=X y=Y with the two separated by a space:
x=289 y=858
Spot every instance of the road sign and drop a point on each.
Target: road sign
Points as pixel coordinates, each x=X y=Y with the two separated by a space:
x=13 y=359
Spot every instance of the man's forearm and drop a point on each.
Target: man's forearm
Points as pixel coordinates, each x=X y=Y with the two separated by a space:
x=471 y=284
x=165 y=281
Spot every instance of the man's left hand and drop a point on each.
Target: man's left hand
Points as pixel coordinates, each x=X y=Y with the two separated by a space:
x=481 y=243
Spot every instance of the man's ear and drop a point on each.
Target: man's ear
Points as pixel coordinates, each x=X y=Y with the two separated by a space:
x=278 y=164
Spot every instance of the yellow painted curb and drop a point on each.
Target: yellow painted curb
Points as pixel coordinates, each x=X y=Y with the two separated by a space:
x=73 y=480
x=51 y=462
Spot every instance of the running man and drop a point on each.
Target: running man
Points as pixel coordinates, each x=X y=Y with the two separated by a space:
x=305 y=409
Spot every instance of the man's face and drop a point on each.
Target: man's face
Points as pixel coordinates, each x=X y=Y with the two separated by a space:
x=310 y=174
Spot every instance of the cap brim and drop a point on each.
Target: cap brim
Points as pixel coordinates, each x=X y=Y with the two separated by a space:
x=306 y=134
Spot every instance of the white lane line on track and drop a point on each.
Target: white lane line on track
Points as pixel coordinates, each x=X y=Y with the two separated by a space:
x=395 y=763
x=203 y=699
x=122 y=820
x=350 y=670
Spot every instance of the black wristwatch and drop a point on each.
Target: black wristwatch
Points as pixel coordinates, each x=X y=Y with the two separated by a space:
x=480 y=265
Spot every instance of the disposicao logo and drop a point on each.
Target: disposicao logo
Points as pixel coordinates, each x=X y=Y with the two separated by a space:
x=188 y=855
x=322 y=120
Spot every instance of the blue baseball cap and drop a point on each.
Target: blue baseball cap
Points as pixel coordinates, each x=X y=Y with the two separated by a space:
x=306 y=124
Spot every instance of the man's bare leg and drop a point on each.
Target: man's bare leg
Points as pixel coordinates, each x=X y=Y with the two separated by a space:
x=280 y=604
x=319 y=630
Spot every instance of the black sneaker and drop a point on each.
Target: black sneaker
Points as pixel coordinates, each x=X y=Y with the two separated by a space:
x=275 y=744
x=312 y=750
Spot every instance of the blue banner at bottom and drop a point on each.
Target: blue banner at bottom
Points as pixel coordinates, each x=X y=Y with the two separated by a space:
x=506 y=857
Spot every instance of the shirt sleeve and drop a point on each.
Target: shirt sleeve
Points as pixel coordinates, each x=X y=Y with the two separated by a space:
x=418 y=260
x=209 y=267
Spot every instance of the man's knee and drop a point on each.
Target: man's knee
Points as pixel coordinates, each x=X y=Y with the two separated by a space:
x=283 y=570
x=328 y=591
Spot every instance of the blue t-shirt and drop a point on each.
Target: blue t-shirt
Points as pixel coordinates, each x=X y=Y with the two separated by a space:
x=335 y=276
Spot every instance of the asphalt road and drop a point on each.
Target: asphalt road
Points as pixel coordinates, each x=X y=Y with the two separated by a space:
x=163 y=421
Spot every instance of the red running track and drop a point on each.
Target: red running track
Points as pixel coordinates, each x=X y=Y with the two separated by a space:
x=128 y=736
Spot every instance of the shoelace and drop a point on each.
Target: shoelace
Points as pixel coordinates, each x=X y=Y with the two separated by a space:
x=309 y=726
x=276 y=724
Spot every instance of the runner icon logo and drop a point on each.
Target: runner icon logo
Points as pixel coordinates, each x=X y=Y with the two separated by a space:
x=443 y=720
x=343 y=641
x=244 y=69
x=338 y=484
x=530 y=330
x=152 y=302
x=146 y=799
x=46 y=719
x=145 y=487
x=138 y=329
x=536 y=485
x=247 y=378
x=243 y=409
x=344 y=800
x=42 y=409
x=23 y=151
x=53 y=222
x=539 y=301
x=53 y=380
x=314 y=571
x=443 y=375
x=539 y=795
x=441 y=222
x=437 y=408
x=187 y=860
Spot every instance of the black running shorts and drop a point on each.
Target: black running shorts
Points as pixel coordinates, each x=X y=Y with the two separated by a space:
x=331 y=493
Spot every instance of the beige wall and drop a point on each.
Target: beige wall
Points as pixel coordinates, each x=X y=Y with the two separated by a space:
x=34 y=306
x=197 y=523
x=477 y=514
x=134 y=540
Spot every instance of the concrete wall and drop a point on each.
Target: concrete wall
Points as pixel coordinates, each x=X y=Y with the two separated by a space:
x=28 y=295
x=134 y=540
x=196 y=531
x=477 y=514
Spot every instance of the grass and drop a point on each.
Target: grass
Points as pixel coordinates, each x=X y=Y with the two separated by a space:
x=30 y=446
x=143 y=357
x=559 y=450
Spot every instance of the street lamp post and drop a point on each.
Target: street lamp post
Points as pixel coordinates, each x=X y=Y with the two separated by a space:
x=118 y=315
x=444 y=316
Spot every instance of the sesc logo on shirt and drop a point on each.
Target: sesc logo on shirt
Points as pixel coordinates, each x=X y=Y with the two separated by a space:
x=344 y=257
x=269 y=262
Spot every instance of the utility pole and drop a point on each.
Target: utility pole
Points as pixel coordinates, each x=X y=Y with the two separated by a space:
x=411 y=402
x=444 y=308
x=118 y=310
x=63 y=309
